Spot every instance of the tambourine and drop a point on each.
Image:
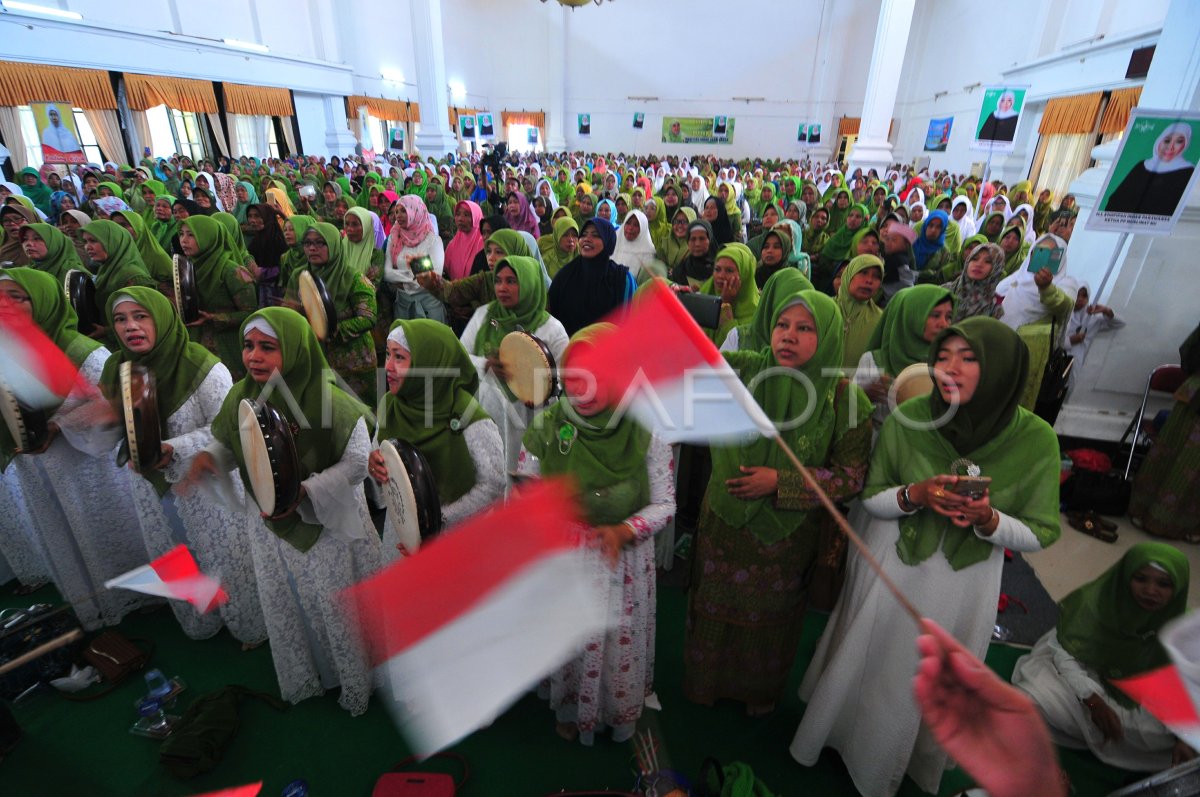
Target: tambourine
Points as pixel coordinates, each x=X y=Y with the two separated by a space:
x=414 y=509
x=28 y=427
x=318 y=306
x=532 y=372
x=915 y=380
x=187 y=297
x=80 y=291
x=139 y=410
x=272 y=464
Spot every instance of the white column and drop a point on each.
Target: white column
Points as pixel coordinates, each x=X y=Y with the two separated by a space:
x=873 y=150
x=1153 y=281
x=435 y=137
x=556 y=138
x=822 y=87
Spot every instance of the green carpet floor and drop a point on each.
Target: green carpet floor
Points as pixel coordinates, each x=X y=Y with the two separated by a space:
x=86 y=749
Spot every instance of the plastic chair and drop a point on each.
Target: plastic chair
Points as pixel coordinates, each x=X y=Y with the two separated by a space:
x=1163 y=379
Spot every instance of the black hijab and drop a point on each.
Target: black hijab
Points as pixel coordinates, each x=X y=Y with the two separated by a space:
x=720 y=226
x=587 y=289
x=267 y=245
x=480 y=264
x=697 y=268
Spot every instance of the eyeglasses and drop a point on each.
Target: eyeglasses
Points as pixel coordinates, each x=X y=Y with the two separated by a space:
x=315 y=244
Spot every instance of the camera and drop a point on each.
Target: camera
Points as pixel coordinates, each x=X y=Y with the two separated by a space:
x=494 y=158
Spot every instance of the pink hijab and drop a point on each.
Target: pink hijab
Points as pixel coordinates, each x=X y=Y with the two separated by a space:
x=386 y=218
x=418 y=227
x=460 y=254
x=525 y=219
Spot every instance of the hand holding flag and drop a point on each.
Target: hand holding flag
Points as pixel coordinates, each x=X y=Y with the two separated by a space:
x=174 y=575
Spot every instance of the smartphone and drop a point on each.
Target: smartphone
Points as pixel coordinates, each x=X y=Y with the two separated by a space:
x=971 y=486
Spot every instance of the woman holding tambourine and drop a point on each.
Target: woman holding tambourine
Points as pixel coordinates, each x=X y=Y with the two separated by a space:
x=441 y=419
x=189 y=385
x=224 y=286
x=80 y=505
x=349 y=347
x=519 y=306
x=306 y=552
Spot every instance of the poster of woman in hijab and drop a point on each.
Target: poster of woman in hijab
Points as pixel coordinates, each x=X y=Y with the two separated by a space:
x=1153 y=173
x=60 y=139
x=997 y=126
x=486 y=128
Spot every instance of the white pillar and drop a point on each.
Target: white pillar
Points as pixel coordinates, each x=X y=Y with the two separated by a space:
x=822 y=87
x=1153 y=282
x=435 y=137
x=872 y=150
x=556 y=138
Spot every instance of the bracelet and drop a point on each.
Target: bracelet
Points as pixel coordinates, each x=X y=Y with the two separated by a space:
x=976 y=526
x=909 y=504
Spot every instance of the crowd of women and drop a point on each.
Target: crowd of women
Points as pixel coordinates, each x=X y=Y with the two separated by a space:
x=429 y=265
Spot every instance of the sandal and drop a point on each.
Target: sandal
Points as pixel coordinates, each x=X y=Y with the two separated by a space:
x=1107 y=525
x=1088 y=525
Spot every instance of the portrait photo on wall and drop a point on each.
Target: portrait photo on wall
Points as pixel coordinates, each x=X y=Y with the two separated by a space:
x=720 y=126
x=1155 y=169
x=639 y=120
x=998 y=117
x=802 y=133
x=466 y=124
x=56 y=127
x=938 y=136
x=814 y=134
x=532 y=135
x=486 y=129
x=396 y=138
x=585 y=124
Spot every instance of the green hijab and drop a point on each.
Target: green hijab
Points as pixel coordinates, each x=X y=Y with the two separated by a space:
x=996 y=238
x=552 y=256
x=837 y=216
x=339 y=278
x=675 y=249
x=124 y=267
x=604 y=454
x=1013 y=262
x=157 y=262
x=61 y=255
x=840 y=243
x=783 y=398
x=358 y=255
x=747 y=297
x=179 y=366
x=239 y=211
x=860 y=317
x=512 y=242
x=779 y=292
x=1018 y=450
x=899 y=338
x=327 y=415
x=1101 y=624
x=234 y=240
x=163 y=231
x=529 y=314
x=38 y=193
x=293 y=259
x=213 y=262
x=434 y=421
x=440 y=206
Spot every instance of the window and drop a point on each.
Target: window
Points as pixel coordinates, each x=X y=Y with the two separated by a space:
x=518 y=138
x=185 y=127
x=33 y=138
x=272 y=137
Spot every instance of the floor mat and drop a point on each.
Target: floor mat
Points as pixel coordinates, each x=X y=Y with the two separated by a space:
x=1031 y=612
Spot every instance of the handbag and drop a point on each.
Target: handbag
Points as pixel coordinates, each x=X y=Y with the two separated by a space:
x=22 y=630
x=115 y=656
x=1055 y=380
x=402 y=783
x=206 y=729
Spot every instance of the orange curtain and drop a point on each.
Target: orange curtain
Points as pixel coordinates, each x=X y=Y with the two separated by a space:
x=257 y=100
x=391 y=110
x=414 y=112
x=1071 y=115
x=532 y=118
x=182 y=94
x=1120 y=103
x=21 y=84
x=848 y=126
x=457 y=111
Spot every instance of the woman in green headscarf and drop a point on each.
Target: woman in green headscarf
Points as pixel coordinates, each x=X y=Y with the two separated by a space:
x=992 y=226
x=838 y=247
x=779 y=290
x=1015 y=247
x=372 y=180
x=235 y=241
x=856 y=299
x=225 y=288
x=34 y=189
x=1109 y=629
x=119 y=265
x=351 y=349
x=561 y=246
x=440 y=208
x=50 y=250
x=945 y=551
x=733 y=280
x=293 y=233
x=839 y=208
x=440 y=416
x=307 y=554
x=358 y=244
x=674 y=247
x=463 y=297
x=190 y=386
x=417 y=186
x=519 y=305
x=246 y=196
x=162 y=223
x=760 y=526
x=157 y=262
x=626 y=486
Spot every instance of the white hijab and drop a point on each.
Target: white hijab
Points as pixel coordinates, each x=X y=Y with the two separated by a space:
x=638 y=253
x=1022 y=300
x=1156 y=165
x=967 y=223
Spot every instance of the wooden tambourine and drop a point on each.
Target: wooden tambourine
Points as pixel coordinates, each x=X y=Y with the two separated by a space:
x=27 y=427
x=272 y=464
x=187 y=297
x=915 y=380
x=532 y=372
x=139 y=410
x=318 y=307
x=414 y=509
x=80 y=291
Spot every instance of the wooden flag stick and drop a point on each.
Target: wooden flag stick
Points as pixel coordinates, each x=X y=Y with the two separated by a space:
x=848 y=530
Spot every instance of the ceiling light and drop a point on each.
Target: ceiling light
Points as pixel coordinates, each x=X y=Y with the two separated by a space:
x=33 y=8
x=252 y=46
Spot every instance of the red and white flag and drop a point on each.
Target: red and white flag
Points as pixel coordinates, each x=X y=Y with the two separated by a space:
x=464 y=627
x=1172 y=693
x=32 y=367
x=174 y=575
x=661 y=366
x=249 y=790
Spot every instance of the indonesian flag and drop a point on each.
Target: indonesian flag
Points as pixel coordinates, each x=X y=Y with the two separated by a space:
x=249 y=790
x=1172 y=693
x=32 y=367
x=673 y=379
x=461 y=629
x=174 y=575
